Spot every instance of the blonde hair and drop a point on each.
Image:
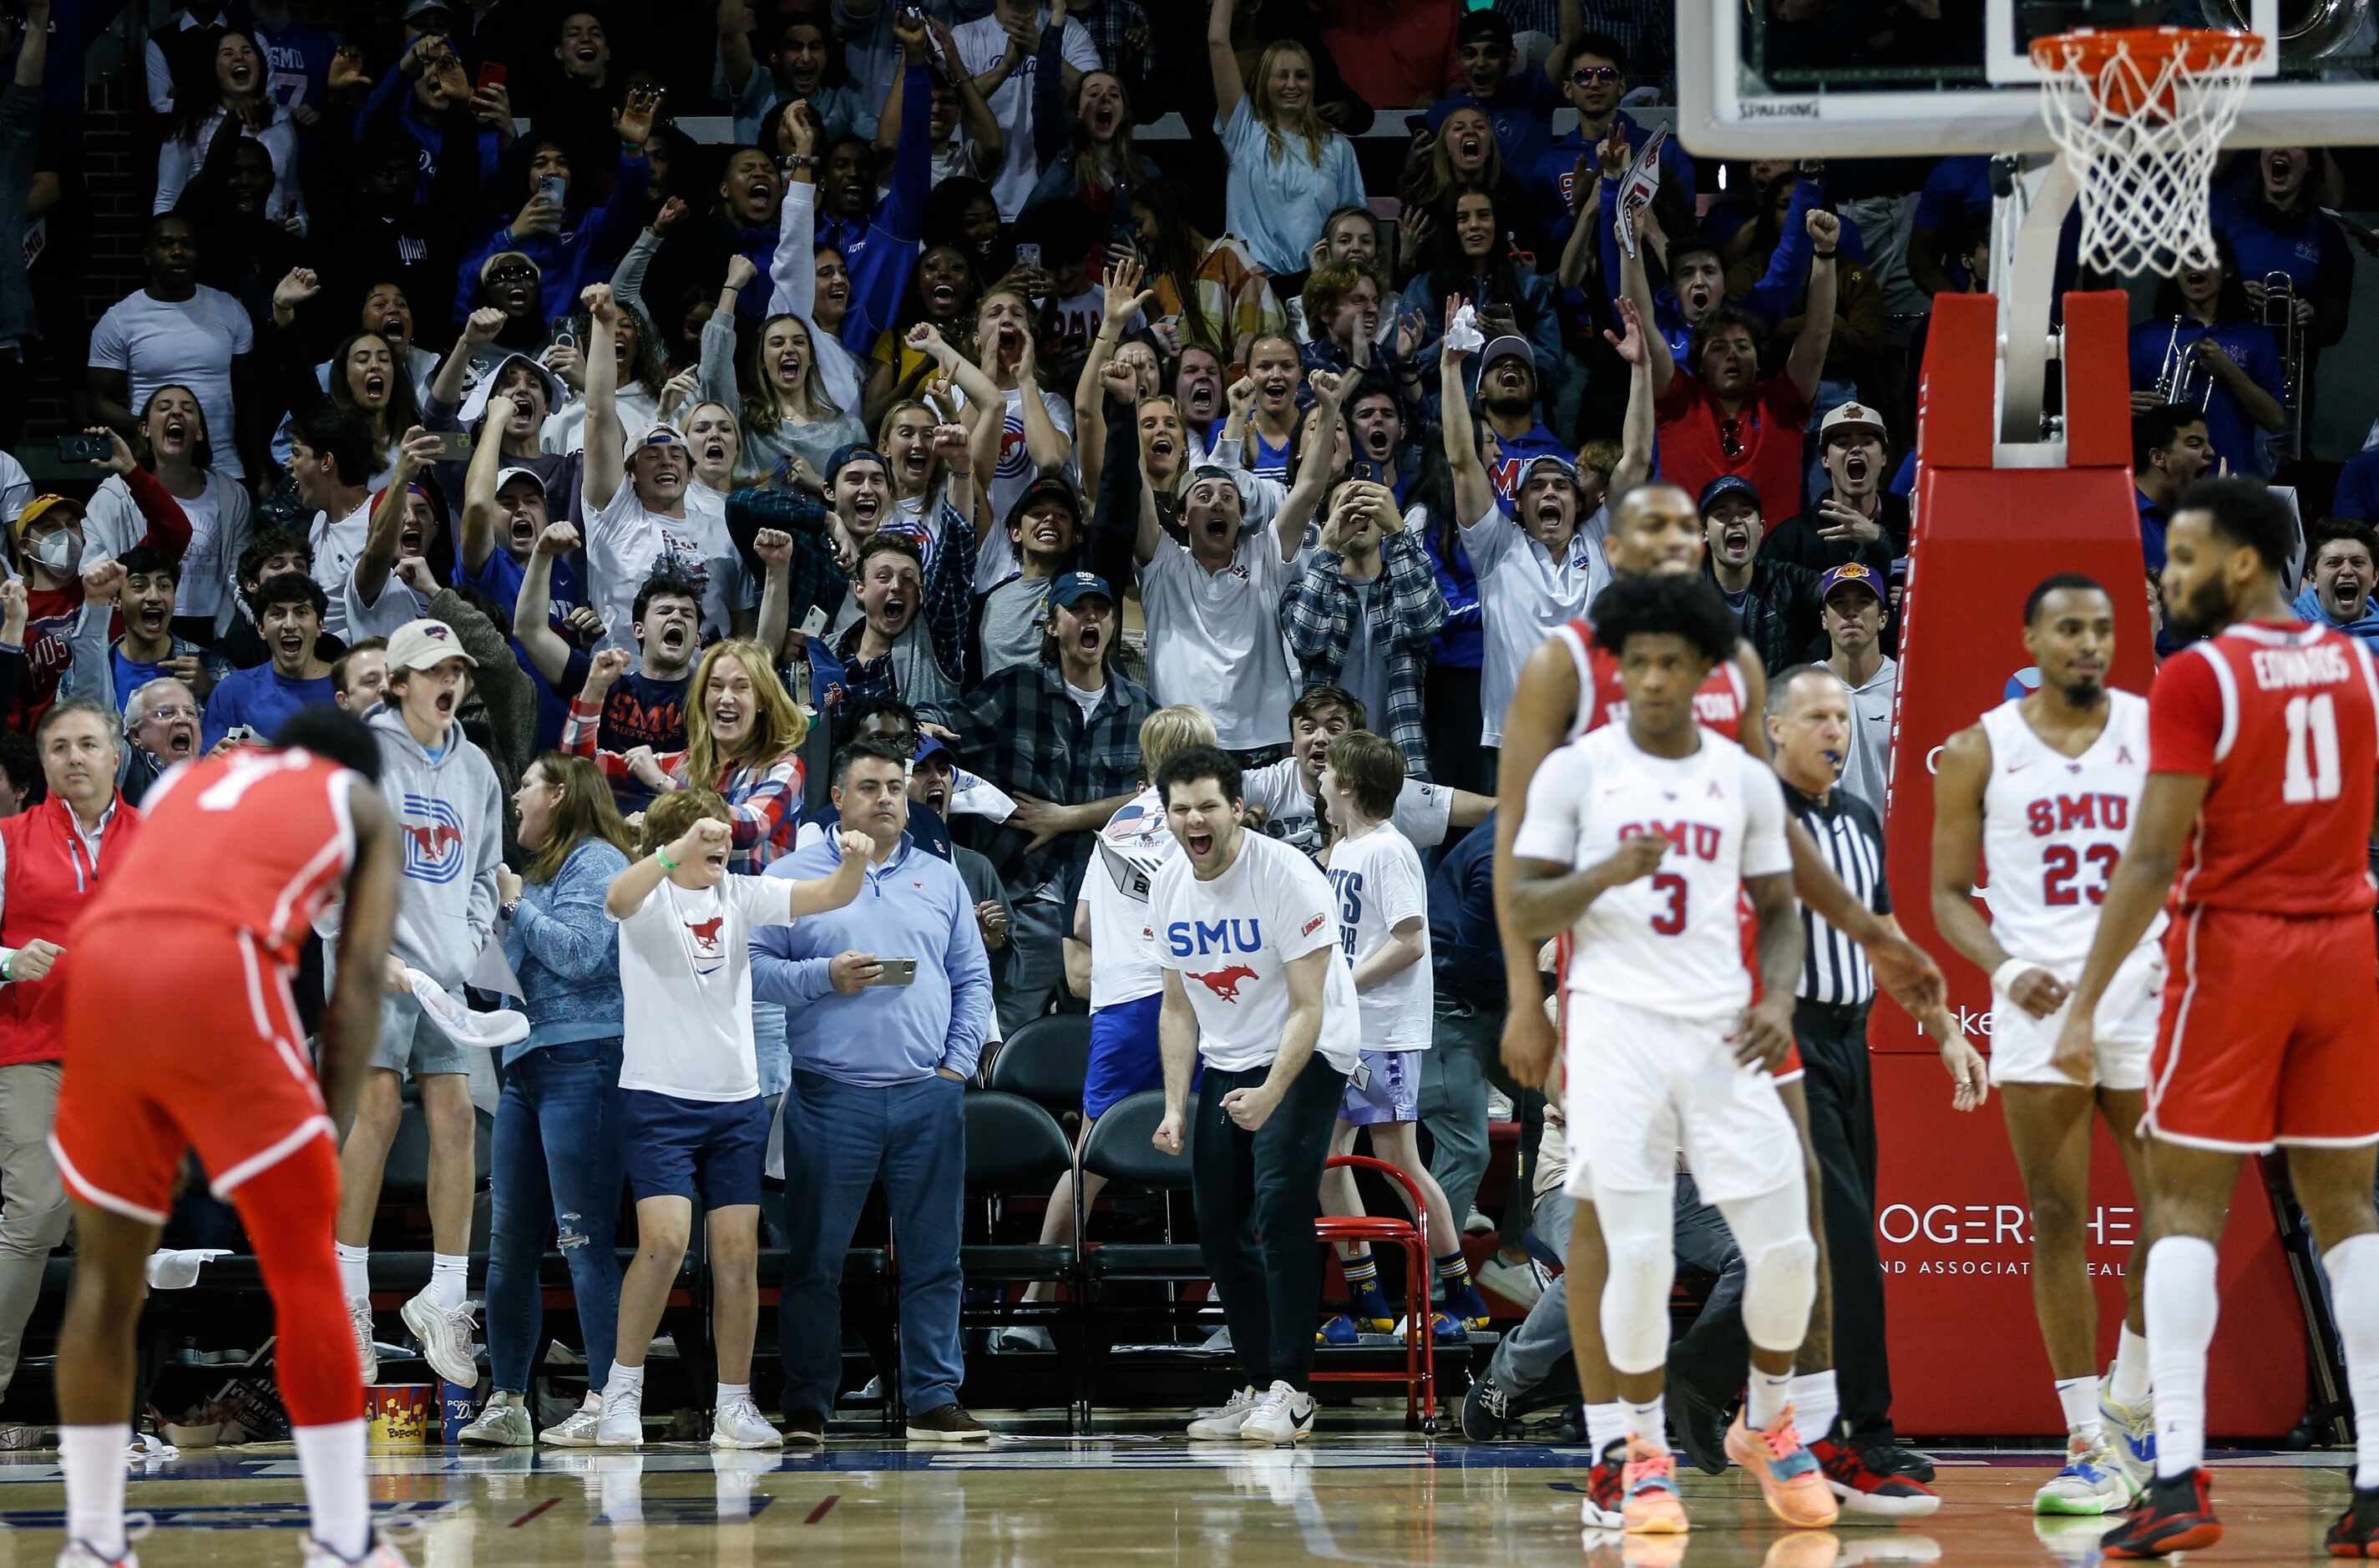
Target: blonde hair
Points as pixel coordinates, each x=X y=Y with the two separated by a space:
x=884 y=443
x=1307 y=124
x=1172 y=729
x=762 y=409
x=586 y=810
x=778 y=729
x=667 y=818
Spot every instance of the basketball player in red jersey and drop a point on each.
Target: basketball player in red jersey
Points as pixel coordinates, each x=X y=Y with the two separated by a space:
x=2262 y=742
x=181 y=1035
x=1655 y=528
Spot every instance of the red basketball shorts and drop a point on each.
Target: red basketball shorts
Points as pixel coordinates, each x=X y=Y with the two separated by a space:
x=2269 y=1032
x=178 y=1037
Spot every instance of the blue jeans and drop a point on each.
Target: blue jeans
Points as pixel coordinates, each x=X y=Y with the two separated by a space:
x=841 y=1139
x=556 y=1150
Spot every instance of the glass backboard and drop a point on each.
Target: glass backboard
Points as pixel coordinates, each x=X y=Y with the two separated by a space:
x=1847 y=78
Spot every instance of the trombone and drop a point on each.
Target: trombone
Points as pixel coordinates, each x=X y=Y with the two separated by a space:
x=2280 y=316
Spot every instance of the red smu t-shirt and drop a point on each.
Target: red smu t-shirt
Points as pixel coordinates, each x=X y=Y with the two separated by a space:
x=2282 y=719
x=1766 y=440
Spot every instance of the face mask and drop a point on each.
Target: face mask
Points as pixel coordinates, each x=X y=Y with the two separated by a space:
x=59 y=552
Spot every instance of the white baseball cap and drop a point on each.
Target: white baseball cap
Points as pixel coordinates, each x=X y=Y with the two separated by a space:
x=424 y=644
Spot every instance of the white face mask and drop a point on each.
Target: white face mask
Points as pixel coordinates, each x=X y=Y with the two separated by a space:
x=59 y=552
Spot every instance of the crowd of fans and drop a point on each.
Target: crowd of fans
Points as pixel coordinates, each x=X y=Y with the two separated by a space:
x=879 y=389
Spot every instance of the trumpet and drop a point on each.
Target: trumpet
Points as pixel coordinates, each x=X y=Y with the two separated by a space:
x=2280 y=317
x=2179 y=376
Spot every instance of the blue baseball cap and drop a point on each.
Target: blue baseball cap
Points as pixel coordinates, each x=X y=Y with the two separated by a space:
x=1853 y=574
x=1727 y=485
x=1077 y=585
x=850 y=452
x=931 y=745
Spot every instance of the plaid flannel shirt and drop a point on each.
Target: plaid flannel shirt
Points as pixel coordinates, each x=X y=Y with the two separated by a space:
x=764 y=803
x=1317 y=615
x=1020 y=731
x=817 y=581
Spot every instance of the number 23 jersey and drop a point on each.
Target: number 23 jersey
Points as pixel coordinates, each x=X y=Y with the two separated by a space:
x=1670 y=942
x=2055 y=827
x=2282 y=721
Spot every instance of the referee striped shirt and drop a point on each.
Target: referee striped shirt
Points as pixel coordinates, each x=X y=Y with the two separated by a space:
x=1850 y=836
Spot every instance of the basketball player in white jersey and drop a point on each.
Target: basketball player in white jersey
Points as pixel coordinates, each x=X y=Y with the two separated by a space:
x=2045 y=786
x=1642 y=840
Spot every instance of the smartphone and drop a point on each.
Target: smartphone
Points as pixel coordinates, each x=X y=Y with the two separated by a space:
x=565 y=338
x=84 y=449
x=491 y=74
x=243 y=735
x=897 y=972
x=1028 y=255
x=454 y=446
x=554 y=188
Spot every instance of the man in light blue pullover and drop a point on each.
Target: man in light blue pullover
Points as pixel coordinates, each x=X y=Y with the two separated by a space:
x=2340 y=576
x=879 y=1070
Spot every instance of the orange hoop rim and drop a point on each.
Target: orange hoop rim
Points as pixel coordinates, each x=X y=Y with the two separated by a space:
x=2196 y=50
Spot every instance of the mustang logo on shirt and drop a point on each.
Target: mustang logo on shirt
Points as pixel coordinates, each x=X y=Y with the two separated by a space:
x=433 y=848
x=1225 y=982
x=706 y=932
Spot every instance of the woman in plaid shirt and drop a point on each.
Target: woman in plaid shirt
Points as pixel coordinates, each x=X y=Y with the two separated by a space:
x=744 y=735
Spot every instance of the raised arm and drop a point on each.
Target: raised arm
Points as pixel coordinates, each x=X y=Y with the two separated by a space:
x=475 y=537
x=775 y=549
x=1223 y=61
x=1124 y=298
x=479 y=329
x=1043 y=443
x=533 y=610
x=1636 y=430
x=1636 y=284
x=1313 y=467
x=705 y=837
x=1473 y=493
x=1808 y=360
x=605 y=469
x=792 y=266
x=981 y=127
x=377 y=558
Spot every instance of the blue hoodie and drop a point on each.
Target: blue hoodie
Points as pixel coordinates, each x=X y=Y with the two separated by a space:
x=913 y=906
x=882 y=251
x=2365 y=626
x=587 y=249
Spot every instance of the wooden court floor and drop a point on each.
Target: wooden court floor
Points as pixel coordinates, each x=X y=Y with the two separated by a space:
x=1137 y=1494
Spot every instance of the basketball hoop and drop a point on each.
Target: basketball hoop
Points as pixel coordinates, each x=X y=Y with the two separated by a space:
x=2139 y=114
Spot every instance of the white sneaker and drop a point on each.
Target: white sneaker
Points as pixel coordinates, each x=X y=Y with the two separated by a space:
x=739 y=1424
x=1500 y=1107
x=379 y=1554
x=359 y=1317
x=577 y=1428
x=622 y=1424
x=1518 y=1283
x=1282 y=1415
x=2131 y=1433
x=1477 y=1223
x=504 y=1423
x=1222 y=1423
x=445 y=1339
x=2092 y=1482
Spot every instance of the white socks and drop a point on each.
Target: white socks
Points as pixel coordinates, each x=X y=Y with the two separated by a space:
x=1605 y=1424
x=2079 y=1399
x=331 y=1459
x=2130 y=1384
x=2353 y=1266
x=729 y=1393
x=355 y=1272
x=1769 y=1392
x=1815 y=1402
x=1645 y=1424
x=629 y=1381
x=2180 y=1310
x=94 y=1457
x=450 y=1280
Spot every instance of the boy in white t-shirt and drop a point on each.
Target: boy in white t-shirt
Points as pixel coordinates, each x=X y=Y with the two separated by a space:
x=1247 y=939
x=1383 y=934
x=691 y=1114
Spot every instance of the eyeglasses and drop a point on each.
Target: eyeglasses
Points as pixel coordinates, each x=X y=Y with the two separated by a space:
x=1590 y=75
x=1730 y=438
x=172 y=715
x=511 y=274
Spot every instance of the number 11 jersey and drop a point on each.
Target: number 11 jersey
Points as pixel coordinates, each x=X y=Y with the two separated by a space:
x=2055 y=827
x=2282 y=721
x=1670 y=942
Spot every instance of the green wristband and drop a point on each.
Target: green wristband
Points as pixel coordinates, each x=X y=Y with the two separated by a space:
x=667 y=864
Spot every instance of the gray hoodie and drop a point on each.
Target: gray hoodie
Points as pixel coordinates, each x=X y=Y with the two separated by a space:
x=449 y=823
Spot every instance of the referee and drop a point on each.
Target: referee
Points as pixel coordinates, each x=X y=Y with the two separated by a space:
x=1809 y=729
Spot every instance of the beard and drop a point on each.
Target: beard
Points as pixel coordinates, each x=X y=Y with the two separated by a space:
x=2084 y=691
x=2205 y=613
x=1509 y=408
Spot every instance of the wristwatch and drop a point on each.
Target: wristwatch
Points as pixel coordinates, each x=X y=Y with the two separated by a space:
x=509 y=907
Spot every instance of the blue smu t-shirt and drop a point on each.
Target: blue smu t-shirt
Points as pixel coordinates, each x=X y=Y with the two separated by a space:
x=131 y=675
x=260 y=698
x=642 y=711
x=500 y=577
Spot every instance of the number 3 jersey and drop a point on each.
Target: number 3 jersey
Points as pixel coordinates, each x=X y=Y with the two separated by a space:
x=2282 y=721
x=1670 y=942
x=2055 y=827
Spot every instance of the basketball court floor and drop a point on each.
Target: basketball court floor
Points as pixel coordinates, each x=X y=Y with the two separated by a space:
x=1136 y=1492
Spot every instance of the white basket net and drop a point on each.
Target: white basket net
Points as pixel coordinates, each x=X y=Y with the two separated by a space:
x=2140 y=116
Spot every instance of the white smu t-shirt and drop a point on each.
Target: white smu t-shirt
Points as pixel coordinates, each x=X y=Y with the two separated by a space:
x=1670 y=942
x=188 y=343
x=1523 y=594
x=1213 y=637
x=981 y=43
x=1133 y=847
x=1232 y=937
x=336 y=544
x=685 y=987
x=625 y=544
x=995 y=561
x=1379 y=886
x=1422 y=811
x=396 y=606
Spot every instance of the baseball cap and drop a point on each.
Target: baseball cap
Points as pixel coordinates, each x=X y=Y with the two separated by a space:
x=40 y=507
x=492 y=262
x=1043 y=488
x=424 y=644
x=420 y=7
x=1853 y=574
x=660 y=433
x=1482 y=26
x=475 y=406
x=1509 y=344
x=1561 y=466
x=1727 y=485
x=1077 y=585
x=1851 y=416
x=850 y=452
x=930 y=745
x=508 y=474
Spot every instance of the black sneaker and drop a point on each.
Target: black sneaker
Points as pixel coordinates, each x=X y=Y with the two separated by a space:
x=805 y=1428
x=2356 y=1534
x=2171 y=1515
x=1887 y=1455
x=947 y=1423
x=1701 y=1427
x=1486 y=1409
